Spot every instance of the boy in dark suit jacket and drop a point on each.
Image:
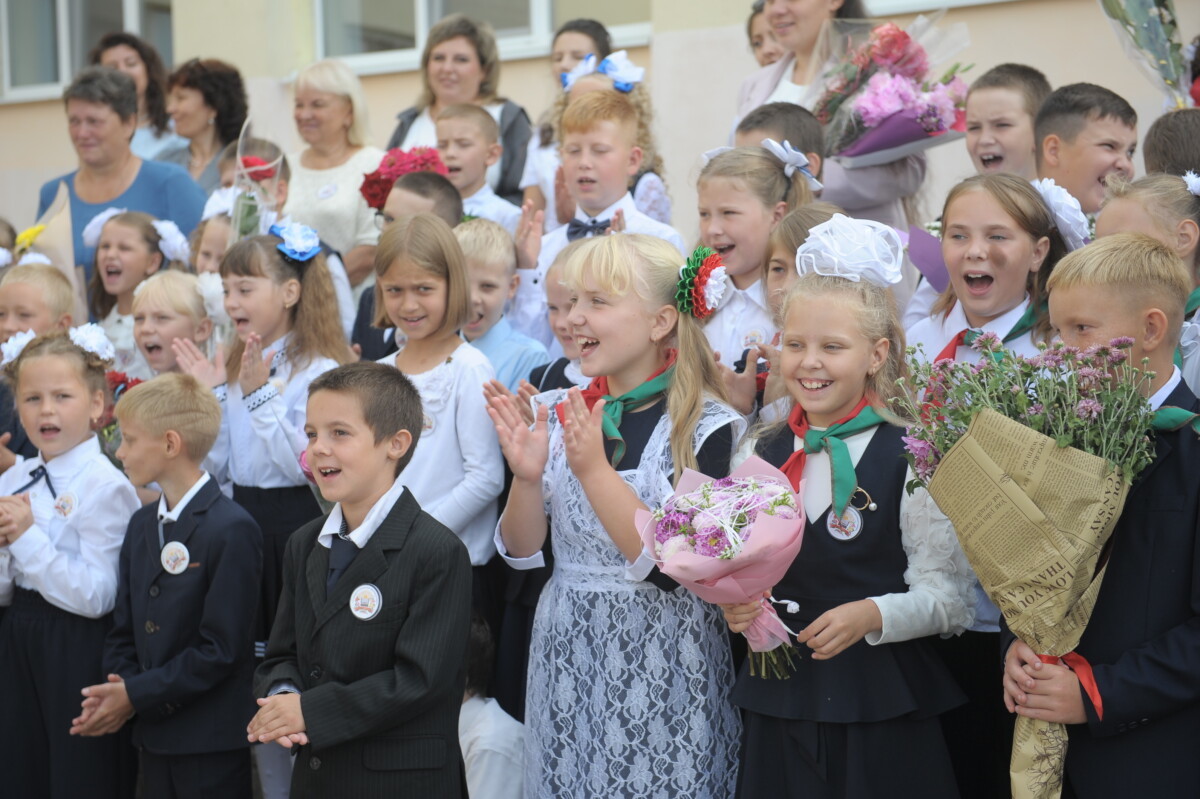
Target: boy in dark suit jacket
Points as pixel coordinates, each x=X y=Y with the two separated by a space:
x=1133 y=731
x=181 y=652
x=365 y=668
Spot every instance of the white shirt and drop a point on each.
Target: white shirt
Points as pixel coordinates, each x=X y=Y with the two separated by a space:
x=920 y=305
x=486 y=204
x=128 y=358
x=457 y=472
x=71 y=552
x=787 y=92
x=541 y=166
x=423 y=133
x=268 y=425
x=329 y=200
x=360 y=535
x=492 y=744
x=1159 y=397
x=744 y=319
x=933 y=333
x=527 y=311
x=172 y=515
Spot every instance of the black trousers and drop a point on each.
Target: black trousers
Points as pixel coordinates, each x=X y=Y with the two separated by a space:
x=211 y=775
x=47 y=655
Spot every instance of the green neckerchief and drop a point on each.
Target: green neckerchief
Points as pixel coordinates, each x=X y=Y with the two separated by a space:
x=1169 y=417
x=841 y=464
x=1027 y=321
x=615 y=407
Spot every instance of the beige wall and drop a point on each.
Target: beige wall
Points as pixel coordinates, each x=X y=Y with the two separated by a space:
x=698 y=59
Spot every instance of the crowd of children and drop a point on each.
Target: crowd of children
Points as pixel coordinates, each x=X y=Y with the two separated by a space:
x=244 y=512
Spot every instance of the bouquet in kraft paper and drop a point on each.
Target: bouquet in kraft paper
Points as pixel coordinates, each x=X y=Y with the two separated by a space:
x=728 y=541
x=1032 y=459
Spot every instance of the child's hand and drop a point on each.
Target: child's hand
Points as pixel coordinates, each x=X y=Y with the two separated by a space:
x=742 y=387
x=529 y=236
x=583 y=434
x=617 y=223
x=526 y=391
x=564 y=203
x=280 y=719
x=105 y=710
x=16 y=516
x=192 y=361
x=1037 y=690
x=840 y=627
x=740 y=617
x=256 y=367
x=494 y=388
x=525 y=450
x=7 y=456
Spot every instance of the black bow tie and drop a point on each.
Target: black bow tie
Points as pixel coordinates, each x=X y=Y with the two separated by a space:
x=37 y=474
x=578 y=230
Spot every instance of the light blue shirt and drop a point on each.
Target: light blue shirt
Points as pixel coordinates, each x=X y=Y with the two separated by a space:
x=513 y=355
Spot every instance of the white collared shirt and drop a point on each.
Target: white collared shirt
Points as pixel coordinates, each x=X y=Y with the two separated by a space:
x=360 y=535
x=172 y=515
x=527 y=310
x=70 y=553
x=933 y=333
x=267 y=426
x=492 y=745
x=743 y=320
x=1160 y=396
x=486 y=204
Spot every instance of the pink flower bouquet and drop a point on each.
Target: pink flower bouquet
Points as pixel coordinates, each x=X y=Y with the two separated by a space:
x=728 y=541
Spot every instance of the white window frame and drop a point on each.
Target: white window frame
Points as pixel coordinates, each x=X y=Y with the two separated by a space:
x=537 y=43
x=131 y=14
x=888 y=8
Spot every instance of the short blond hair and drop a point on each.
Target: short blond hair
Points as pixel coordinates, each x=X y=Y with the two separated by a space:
x=334 y=77
x=55 y=288
x=1138 y=267
x=473 y=113
x=179 y=291
x=483 y=241
x=585 y=112
x=174 y=401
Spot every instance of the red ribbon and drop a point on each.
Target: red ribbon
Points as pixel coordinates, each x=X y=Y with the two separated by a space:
x=793 y=467
x=598 y=388
x=951 y=350
x=1083 y=670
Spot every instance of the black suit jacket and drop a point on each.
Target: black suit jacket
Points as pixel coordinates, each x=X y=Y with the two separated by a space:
x=184 y=643
x=1143 y=640
x=380 y=697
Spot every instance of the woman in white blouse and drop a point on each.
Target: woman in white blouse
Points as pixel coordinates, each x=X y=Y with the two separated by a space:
x=331 y=118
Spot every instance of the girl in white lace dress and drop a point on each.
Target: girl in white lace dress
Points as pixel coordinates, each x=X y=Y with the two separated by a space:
x=629 y=675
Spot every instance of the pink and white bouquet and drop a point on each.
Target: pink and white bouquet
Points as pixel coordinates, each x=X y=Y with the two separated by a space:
x=728 y=541
x=875 y=94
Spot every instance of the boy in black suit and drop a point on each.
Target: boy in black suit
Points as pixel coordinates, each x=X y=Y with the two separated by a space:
x=365 y=666
x=180 y=655
x=1133 y=729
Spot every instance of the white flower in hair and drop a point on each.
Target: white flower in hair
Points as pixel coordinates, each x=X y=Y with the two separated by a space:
x=91 y=232
x=31 y=258
x=91 y=337
x=585 y=67
x=624 y=73
x=1068 y=216
x=5 y=257
x=792 y=160
x=1193 y=182
x=854 y=249
x=12 y=349
x=171 y=240
x=212 y=291
x=300 y=242
x=220 y=202
x=714 y=289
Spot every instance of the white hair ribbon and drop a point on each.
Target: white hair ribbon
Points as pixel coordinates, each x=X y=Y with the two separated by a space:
x=91 y=232
x=792 y=160
x=854 y=249
x=1068 y=216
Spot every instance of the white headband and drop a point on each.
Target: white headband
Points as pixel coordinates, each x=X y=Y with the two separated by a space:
x=853 y=249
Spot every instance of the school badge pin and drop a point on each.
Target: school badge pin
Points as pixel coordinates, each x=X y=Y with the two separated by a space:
x=365 y=602
x=845 y=527
x=64 y=505
x=175 y=558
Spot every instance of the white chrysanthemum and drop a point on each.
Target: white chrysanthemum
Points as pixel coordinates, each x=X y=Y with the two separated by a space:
x=11 y=349
x=1068 y=215
x=91 y=337
x=212 y=291
x=714 y=289
x=91 y=231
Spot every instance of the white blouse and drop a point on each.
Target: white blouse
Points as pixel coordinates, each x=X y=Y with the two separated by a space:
x=70 y=554
x=456 y=472
x=329 y=201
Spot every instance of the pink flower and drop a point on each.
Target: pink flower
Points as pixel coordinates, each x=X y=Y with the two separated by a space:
x=883 y=96
x=1088 y=409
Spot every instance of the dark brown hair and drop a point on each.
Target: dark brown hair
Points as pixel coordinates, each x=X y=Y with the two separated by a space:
x=223 y=91
x=388 y=400
x=156 y=74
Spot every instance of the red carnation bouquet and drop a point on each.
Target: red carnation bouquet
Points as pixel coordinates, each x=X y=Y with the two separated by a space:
x=378 y=184
x=257 y=169
x=107 y=429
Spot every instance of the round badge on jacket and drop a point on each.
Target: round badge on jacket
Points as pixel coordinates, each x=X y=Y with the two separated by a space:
x=845 y=527
x=175 y=558
x=365 y=602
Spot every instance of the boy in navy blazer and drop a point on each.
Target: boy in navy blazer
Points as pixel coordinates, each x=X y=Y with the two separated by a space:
x=365 y=669
x=180 y=653
x=1132 y=730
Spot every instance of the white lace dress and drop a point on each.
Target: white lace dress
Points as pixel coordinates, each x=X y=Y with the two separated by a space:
x=628 y=688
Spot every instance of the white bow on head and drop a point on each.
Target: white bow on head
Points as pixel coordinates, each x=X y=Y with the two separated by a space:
x=854 y=249
x=91 y=231
x=1192 y=180
x=617 y=66
x=1068 y=215
x=792 y=160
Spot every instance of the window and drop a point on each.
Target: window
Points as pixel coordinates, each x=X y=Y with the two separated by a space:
x=388 y=35
x=45 y=42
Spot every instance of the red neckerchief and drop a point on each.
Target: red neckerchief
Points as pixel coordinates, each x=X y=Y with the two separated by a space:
x=598 y=388
x=798 y=421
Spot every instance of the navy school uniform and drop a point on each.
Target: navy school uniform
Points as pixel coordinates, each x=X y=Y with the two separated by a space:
x=184 y=644
x=865 y=723
x=1143 y=640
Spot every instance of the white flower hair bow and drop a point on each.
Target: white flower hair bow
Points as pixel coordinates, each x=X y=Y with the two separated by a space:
x=585 y=67
x=1068 y=216
x=854 y=249
x=12 y=349
x=1193 y=182
x=220 y=202
x=624 y=73
x=91 y=337
x=300 y=242
x=91 y=232
x=212 y=291
x=32 y=258
x=792 y=160
x=171 y=241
